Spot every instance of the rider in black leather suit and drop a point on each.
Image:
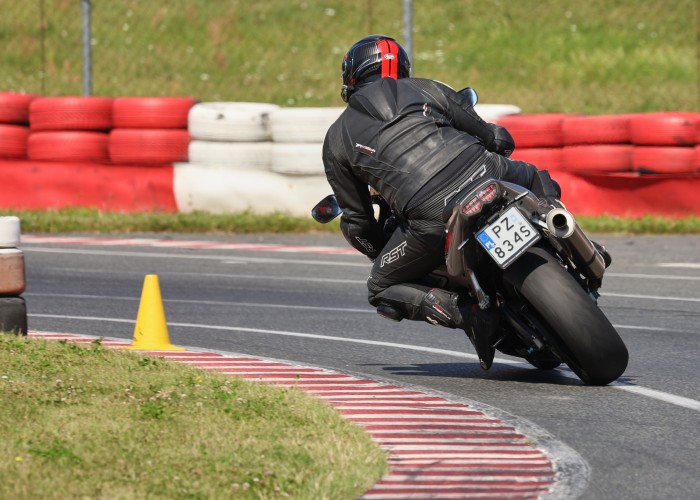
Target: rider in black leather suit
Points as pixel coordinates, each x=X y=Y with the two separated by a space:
x=416 y=142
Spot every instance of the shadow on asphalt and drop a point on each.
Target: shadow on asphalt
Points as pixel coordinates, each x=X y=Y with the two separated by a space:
x=498 y=373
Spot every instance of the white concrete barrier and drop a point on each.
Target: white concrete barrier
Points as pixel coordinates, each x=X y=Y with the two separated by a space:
x=219 y=189
x=262 y=157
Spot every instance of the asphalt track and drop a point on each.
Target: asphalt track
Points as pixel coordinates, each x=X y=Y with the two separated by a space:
x=276 y=298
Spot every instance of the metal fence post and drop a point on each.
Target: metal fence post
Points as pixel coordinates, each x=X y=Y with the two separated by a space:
x=87 y=49
x=408 y=28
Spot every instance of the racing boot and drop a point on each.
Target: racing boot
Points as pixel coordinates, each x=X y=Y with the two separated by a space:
x=443 y=308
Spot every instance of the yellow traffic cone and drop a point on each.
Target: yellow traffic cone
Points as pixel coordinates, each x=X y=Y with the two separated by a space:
x=151 y=332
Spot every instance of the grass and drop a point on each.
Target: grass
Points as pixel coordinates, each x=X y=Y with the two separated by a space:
x=594 y=57
x=103 y=423
x=89 y=220
x=642 y=225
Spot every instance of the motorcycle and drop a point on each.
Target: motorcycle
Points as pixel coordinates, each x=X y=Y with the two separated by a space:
x=509 y=249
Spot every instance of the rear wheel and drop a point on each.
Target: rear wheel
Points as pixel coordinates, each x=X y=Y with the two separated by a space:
x=578 y=332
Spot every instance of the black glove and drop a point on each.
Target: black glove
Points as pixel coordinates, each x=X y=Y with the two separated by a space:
x=502 y=143
x=546 y=189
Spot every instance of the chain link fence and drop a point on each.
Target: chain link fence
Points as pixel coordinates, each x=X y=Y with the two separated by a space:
x=288 y=51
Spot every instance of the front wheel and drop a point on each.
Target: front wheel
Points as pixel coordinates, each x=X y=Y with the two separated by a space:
x=578 y=331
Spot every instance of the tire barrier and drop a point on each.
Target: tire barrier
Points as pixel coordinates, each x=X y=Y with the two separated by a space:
x=664 y=129
x=13 y=315
x=42 y=138
x=13 y=309
x=12 y=279
x=602 y=129
x=629 y=194
x=294 y=125
x=77 y=146
x=148 y=146
x=42 y=185
x=535 y=131
x=70 y=113
x=646 y=143
x=152 y=112
x=231 y=121
x=14 y=107
x=234 y=155
x=219 y=189
x=598 y=158
x=663 y=159
x=297 y=158
x=13 y=141
x=543 y=158
x=9 y=232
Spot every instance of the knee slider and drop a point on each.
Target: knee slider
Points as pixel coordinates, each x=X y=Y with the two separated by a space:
x=389 y=312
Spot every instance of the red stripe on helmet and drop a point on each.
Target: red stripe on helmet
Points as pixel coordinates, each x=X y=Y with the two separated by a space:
x=389 y=51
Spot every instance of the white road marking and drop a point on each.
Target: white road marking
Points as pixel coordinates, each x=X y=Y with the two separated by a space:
x=206 y=302
x=652 y=276
x=367 y=310
x=644 y=391
x=199 y=256
x=649 y=297
x=652 y=329
x=687 y=265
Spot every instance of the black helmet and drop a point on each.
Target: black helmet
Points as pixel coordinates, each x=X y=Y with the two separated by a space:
x=373 y=57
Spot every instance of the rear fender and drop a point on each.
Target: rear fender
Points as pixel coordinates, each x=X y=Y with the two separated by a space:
x=460 y=254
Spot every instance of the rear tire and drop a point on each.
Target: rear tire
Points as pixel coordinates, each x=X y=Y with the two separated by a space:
x=579 y=331
x=543 y=363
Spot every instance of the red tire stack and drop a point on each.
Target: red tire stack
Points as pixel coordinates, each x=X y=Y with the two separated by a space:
x=14 y=125
x=70 y=129
x=665 y=143
x=150 y=130
x=123 y=130
x=646 y=143
x=538 y=138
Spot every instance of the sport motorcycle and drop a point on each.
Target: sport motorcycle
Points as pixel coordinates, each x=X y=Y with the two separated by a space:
x=509 y=249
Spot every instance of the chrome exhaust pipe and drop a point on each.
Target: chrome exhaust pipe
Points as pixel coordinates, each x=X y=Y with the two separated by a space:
x=563 y=228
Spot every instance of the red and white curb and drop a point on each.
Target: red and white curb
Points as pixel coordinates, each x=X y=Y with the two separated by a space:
x=437 y=448
x=189 y=244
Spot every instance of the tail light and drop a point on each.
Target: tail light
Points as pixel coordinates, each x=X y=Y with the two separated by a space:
x=473 y=207
x=488 y=194
x=485 y=196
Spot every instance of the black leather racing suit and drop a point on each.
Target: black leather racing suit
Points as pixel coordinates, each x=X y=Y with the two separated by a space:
x=416 y=142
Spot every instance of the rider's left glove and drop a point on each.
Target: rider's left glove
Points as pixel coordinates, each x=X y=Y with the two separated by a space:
x=502 y=143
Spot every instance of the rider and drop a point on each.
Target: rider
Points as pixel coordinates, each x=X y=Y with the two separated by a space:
x=416 y=142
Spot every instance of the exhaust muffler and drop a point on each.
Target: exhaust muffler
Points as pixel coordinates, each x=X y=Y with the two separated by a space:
x=563 y=228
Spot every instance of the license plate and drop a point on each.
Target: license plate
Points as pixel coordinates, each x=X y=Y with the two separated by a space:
x=508 y=237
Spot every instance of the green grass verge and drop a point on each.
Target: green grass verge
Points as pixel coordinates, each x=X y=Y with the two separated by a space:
x=88 y=220
x=85 y=421
x=593 y=56
x=643 y=225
